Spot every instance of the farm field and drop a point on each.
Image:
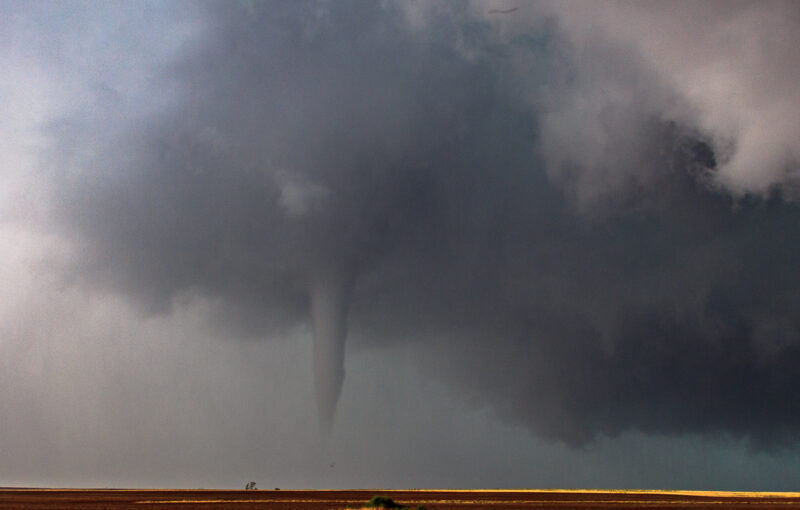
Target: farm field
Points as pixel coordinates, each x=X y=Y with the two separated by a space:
x=33 y=499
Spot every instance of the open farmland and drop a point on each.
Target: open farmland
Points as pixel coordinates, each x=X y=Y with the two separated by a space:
x=32 y=499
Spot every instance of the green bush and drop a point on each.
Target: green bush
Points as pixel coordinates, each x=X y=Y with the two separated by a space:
x=384 y=502
x=381 y=502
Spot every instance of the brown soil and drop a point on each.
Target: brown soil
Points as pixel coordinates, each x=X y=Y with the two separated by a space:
x=34 y=499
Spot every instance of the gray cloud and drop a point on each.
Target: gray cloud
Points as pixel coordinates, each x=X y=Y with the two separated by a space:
x=725 y=68
x=560 y=218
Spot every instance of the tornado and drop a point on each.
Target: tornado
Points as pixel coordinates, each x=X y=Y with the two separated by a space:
x=329 y=295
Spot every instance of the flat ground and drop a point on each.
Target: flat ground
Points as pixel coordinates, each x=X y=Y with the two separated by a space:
x=33 y=499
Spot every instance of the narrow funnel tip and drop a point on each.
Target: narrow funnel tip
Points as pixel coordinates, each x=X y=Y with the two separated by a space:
x=329 y=322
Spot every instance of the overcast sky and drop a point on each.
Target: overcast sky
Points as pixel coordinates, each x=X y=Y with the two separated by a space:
x=555 y=243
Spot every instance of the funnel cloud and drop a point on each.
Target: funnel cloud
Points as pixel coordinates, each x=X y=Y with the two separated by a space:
x=329 y=302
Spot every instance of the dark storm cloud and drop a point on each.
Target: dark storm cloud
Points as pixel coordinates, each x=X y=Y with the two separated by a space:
x=570 y=259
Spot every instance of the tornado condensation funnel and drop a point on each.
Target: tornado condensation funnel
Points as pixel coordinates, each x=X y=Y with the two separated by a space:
x=329 y=302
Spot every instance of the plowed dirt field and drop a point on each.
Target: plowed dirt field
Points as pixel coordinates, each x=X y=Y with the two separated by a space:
x=33 y=499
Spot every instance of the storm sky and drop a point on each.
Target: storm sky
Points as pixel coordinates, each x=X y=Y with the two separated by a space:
x=400 y=244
